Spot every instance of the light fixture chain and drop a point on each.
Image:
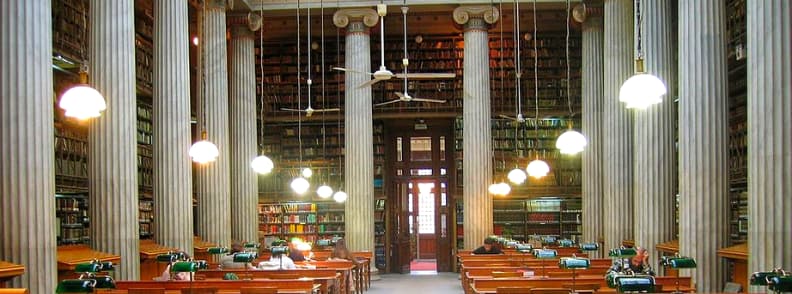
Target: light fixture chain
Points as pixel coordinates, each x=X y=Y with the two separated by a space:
x=324 y=98
x=299 y=90
x=261 y=68
x=568 y=71
x=536 y=79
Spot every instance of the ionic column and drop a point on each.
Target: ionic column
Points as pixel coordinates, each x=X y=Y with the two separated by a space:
x=112 y=142
x=618 y=124
x=703 y=139
x=214 y=188
x=358 y=129
x=173 y=217
x=769 y=136
x=655 y=148
x=592 y=126
x=27 y=174
x=476 y=122
x=244 y=189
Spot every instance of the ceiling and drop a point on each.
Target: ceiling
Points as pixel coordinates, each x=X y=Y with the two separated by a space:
x=271 y=5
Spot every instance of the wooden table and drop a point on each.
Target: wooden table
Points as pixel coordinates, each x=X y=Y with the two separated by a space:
x=490 y=285
x=737 y=255
x=283 y=286
x=9 y=271
x=149 y=267
x=328 y=279
x=345 y=268
x=670 y=248
x=201 y=250
x=69 y=256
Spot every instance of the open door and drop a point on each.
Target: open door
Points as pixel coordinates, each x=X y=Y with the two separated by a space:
x=400 y=247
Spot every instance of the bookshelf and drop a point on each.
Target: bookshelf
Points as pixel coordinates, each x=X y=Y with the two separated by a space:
x=71 y=212
x=69 y=22
x=309 y=221
x=738 y=121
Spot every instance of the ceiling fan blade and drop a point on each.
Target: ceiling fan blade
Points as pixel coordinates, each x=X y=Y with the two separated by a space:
x=368 y=84
x=327 y=110
x=507 y=117
x=293 y=110
x=428 y=100
x=400 y=95
x=426 y=76
x=351 y=70
x=386 y=103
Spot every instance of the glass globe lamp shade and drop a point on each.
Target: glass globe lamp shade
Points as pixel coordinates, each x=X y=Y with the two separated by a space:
x=307 y=172
x=538 y=168
x=571 y=142
x=324 y=191
x=262 y=165
x=300 y=185
x=204 y=151
x=641 y=91
x=340 y=196
x=493 y=189
x=517 y=176
x=82 y=102
x=504 y=189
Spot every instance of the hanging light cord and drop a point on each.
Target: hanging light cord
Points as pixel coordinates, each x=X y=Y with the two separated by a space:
x=569 y=76
x=536 y=79
x=324 y=98
x=261 y=69
x=639 y=27
x=518 y=72
x=299 y=88
x=202 y=62
x=338 y=90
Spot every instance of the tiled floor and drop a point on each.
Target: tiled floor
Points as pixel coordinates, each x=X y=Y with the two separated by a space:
x=416 y=283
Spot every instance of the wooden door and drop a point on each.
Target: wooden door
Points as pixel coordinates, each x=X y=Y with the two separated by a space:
x=425 y=218
x=400 y=247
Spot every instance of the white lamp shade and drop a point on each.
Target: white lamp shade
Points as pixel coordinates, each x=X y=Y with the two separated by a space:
x=571 y=142
x=324 y=191
x=300 y=185
x=642 y=90
x=538 y=168
x=340 y=196
x=493 y=189
x=204 y=152
x=82 y=102
x=262 y=164
x=304 y=246
x=504 y=189
x=517 y=176
x=307 y=172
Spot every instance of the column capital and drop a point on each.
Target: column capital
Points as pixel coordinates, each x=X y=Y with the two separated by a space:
x=243 y=26
x=588 y=11
x=355 y=19
x=476 y=16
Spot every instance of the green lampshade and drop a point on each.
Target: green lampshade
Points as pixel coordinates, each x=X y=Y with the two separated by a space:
x=201 y=264
x=244 y=257
x=760 y=278
x=230 y=277
x=680 y=262
x=323 y=243
x=169 y=257
x=277 y=250
x=622 y=252
x=512 y=244
x=565 y=243
x=104 y=282
x=548 y=239
x=107 y=266
x=780 y=283
x=573 y=263
x=217 y=250
x=184 y=267
x=252 y=245
x=88 y=267
x=589 y=247
x=524 y=248
x=76 y=286
x=635 y=284
x=280 y=243
x=545 y=253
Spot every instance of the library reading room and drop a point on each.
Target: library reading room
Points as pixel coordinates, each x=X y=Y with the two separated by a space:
x=395 y=146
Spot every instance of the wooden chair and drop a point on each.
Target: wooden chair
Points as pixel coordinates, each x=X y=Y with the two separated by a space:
x=550 y=291
x=261 y=290
x=513 y=290
x=199 y=291
x=146 y=291
x=507 y=274
x=583 y=288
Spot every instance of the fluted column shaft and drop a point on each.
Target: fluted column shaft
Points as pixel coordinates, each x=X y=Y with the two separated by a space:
x=27 y=174
x=358 y=130
x=244 y=196
x=769 y=136
x=703 y=139
x=592 y=128
x=112 y=143
x=618 y=124
x=476 y=132
x=173 y=217
x=655 y=149
x=214 y=190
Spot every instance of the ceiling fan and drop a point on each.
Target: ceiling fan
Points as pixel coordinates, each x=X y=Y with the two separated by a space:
x=404 y=96
x=309 y=111
x=383 y=74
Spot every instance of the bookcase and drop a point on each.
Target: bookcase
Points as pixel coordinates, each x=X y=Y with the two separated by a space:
x=71 y=213
x=309 y=221
x=69 y=22
x=738 y=121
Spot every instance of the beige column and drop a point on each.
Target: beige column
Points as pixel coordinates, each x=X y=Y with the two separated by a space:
x=769 y=136
x=27 y=174
x=618 y=125
x=477 y=160
x=173 y=217
x=244 y=189
x=112 y=142
x=703 y=139
x=655 y=149
x=592 y=126
x=358 y=129
x=214 y=188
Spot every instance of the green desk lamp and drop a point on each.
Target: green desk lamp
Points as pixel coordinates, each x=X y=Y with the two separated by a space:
x=574 y=263
x=524 y=248
x=635 y=283
x=678 y=262
x=184 y=267
x=279 y=250
x=252 y=247
x=589 y=247
x=777 y=280
x=76 y=286
x=217 y=250
x=565 y=243
x=245 y=257
x=543 y=254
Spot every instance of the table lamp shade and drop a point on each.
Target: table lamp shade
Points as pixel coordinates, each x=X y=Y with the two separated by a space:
x=574 y=263
x=184 y=267
x=635 y=284
x=107 y=266
x=760 y=278
x=681 y=262
x=512 y=244
x=217 y=250
x=279 y=243
x=323 y=243
x=545 y=253
x=780 y=283
x=524 y=248
x=88 y=267
x=589 y=247
x=565 y=243
x=104 y=282
x=244 y=257
x=201 y=264
x=168 y=257
x=622 y=252
x=548 y=239
x=277 y=250
x=251 y=245
x=76 y=286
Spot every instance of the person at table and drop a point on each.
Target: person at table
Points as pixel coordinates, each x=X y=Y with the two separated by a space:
x=638 y=264
x=340 y=251
x=488 y=248
x=180 y=276
x=296 y=254
x=227 y=261
x=277 y=261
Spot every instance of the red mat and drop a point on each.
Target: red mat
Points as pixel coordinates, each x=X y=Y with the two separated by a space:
x=423 y=265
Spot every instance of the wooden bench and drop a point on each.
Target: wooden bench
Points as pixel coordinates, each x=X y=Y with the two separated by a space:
x=490 y=285
x=283 y=286
x=9 y=271
x=469 y=274
x=328 y=279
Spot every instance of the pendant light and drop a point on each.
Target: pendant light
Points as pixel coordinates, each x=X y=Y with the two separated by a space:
x=537 y=168
x=642 y=89
x=299 y=184
x=570 y=142
x=324 y=191
x=339 y=196
x=516 y=176
x=203 y=151
x=262 y=164
x=82 y=101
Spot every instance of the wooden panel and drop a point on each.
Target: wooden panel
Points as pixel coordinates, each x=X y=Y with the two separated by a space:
x=427 y=246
